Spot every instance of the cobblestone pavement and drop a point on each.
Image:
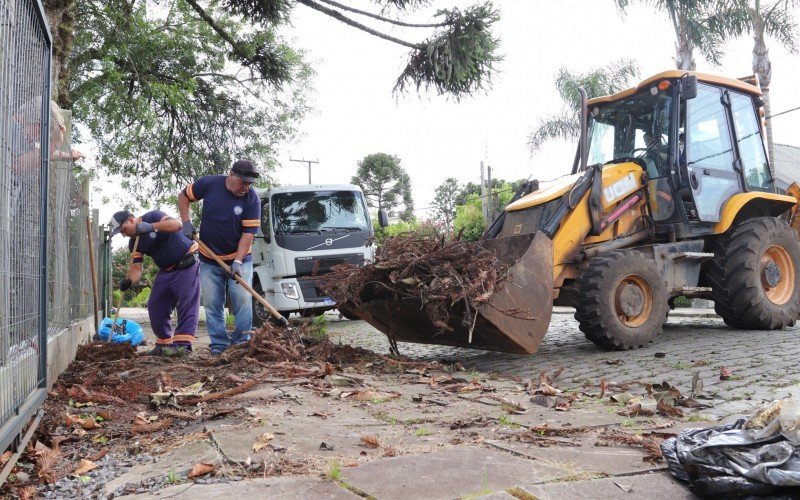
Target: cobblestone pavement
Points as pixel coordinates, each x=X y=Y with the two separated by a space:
x=764 y=363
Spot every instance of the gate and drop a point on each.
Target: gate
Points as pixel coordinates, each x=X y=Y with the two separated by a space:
x=27 y=137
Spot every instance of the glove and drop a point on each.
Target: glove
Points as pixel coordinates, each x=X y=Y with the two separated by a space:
x=188 y=229
x=144 y=228
x=125 y=284
x=236 y=269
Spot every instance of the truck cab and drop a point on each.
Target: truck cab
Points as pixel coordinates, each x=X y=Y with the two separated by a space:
x=305 y=231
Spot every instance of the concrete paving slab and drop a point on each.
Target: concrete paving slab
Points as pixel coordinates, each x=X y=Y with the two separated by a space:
x=301 y=439
x=501 y=495
x=179 y=461
x=586 y=459
x=447 y=474
x=539 y=415
x=656 y=486
x=276 y=487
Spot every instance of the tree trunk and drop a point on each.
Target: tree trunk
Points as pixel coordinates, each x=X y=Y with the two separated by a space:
x=684 y=49
x=61 y=17
x=763 y=68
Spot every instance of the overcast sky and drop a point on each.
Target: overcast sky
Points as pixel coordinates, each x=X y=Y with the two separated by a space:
x=435 y=138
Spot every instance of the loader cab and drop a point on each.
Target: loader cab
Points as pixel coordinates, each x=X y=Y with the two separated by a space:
x=699 y=139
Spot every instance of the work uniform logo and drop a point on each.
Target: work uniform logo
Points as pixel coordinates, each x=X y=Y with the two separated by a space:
x=153 y=234
x=237 y=210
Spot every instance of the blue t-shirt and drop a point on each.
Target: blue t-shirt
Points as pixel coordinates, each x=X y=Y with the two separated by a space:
x=166 y=249
x=225 y=216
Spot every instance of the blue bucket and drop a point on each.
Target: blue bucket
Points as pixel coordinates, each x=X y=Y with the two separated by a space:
x=132 y=332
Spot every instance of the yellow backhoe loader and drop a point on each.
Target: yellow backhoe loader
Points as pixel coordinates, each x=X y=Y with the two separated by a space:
x=670 y=195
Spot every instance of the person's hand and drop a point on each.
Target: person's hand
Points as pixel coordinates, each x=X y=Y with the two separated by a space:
x=76 y=155
x=188 y=229
x=125 y=284
x=144 y=228
x=236 y=269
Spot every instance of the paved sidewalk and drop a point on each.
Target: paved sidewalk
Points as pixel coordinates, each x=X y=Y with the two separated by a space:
x=413 y=437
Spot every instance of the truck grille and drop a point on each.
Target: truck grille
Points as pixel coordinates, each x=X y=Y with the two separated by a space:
x=314 y=266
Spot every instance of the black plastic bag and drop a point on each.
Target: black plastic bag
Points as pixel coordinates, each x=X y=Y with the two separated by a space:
x=727 y=460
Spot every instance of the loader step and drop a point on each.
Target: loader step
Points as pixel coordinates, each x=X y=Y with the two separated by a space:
x=692 y=255
x=691 y=291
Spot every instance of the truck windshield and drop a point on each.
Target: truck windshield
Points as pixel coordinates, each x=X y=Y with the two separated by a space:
x=318 y=212
x=633 y=127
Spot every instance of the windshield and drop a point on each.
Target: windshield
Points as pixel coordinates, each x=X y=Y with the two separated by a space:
x=633 y=127
x=318 y=212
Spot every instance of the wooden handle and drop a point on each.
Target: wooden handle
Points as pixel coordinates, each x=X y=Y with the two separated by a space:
x=242 y=282
x=121 y=293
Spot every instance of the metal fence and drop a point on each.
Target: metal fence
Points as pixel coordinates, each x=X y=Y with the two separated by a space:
x=45 y=276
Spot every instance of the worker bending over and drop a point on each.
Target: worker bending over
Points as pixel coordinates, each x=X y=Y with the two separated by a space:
x=177 y=282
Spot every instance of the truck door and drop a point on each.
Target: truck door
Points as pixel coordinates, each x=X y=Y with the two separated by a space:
x=710 y=159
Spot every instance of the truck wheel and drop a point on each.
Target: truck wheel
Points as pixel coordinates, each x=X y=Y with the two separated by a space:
x=755 y=275
x=622 y=300
x=260 y=313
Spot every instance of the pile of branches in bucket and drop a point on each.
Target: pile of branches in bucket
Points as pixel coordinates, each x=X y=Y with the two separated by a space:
x=439 y=274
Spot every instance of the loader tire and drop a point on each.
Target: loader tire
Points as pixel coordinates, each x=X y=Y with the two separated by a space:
x=622 y=300
x=755 y=275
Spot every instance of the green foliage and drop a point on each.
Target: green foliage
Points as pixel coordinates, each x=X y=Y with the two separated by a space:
x=120 y=260
x=459 y=59
x=230 y=321
x=469 y=221
x=140 y=300
x=692 y=23
x=444 y=203
x=320 y=324
x=607 y=80
x=168 y=98
x=386 y=185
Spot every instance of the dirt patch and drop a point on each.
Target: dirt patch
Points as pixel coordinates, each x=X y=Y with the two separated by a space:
x=105 y=351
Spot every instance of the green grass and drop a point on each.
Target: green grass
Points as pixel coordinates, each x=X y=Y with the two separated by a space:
x=422 y=431
x=681 y=365
x=334 y=471
x=173 y=478
x=696 y=417
x=628 y=423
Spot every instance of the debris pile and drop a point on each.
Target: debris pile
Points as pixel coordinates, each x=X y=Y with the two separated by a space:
x=439 y=274
x=105 y=351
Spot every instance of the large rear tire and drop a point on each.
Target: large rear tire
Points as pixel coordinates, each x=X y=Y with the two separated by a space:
x=622 y=300
x=755 y=275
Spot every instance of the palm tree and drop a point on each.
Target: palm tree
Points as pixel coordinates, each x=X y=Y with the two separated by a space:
x=736 y=18
x=610 y=79
x=690 y=20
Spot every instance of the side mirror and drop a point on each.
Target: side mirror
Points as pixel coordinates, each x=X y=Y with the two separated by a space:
x=383 y=218
x=689 y=87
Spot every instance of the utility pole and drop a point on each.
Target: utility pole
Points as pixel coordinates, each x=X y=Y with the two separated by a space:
x=309 y=166
x=490 y=194
x=484 y=206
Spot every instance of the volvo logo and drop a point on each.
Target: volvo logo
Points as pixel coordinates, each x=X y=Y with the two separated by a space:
x=329 y=241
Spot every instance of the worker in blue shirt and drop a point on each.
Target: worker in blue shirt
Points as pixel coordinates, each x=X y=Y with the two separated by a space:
x=175 y=285
x=230 y=218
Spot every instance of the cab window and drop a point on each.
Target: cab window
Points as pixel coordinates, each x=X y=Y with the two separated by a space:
x=750 y=142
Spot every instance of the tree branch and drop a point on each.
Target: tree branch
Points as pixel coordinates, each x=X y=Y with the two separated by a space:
x=346 y=20
x=236 y=46
x=381 y=18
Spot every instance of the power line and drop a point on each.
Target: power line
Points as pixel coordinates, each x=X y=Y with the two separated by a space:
x=309 y=166
x=773 y=115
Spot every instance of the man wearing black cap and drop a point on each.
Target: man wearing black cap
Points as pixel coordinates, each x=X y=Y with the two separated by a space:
x=229 y=221
x=177 y=282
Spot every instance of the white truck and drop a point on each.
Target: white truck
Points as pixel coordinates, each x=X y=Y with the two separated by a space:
x=305 y=231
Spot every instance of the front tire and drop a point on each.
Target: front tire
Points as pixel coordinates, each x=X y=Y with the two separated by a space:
x=622 y=300
x=755 y=275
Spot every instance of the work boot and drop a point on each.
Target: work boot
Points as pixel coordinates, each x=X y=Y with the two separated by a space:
x=158 y=351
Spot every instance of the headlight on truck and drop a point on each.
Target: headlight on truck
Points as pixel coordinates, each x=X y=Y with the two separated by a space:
x=290 y=290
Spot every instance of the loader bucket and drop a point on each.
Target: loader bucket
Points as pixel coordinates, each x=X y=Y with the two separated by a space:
x=528 y=291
